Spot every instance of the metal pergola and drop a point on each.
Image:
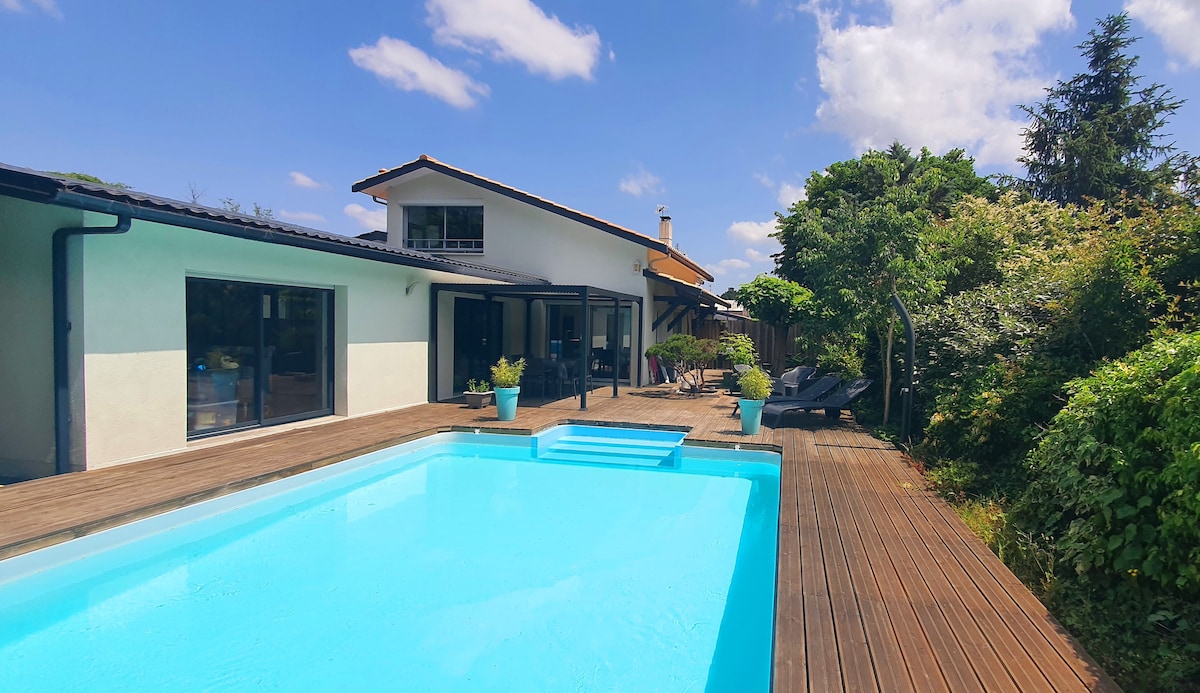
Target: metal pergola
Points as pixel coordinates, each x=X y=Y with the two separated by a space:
x=586 y=295
x=687 y=298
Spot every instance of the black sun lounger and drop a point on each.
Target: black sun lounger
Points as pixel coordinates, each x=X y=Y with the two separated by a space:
x=810 y=390
x=833 y=404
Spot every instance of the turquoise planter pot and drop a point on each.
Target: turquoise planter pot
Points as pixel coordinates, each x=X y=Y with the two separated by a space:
x=751 y=415
x=506 y=403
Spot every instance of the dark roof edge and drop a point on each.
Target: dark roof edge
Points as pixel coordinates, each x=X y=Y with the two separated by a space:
x=540 y=203
x=696 y=291
x=37 y=187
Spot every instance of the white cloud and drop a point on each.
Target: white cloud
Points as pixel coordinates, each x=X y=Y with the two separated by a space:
x=50 y=7
x=753 y=232
x=758 y=255
x=641 y=182
x=302 y=181
x=724 y=266
x=410 y=69
x=936 y=73
x=303 y=217
x=369 y=219
x=516 y=30
x=791 y=194
x=787 y=194
x=1175 y=22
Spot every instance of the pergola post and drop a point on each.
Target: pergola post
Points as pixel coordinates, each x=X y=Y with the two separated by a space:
x=585 y=349
x=616 y=367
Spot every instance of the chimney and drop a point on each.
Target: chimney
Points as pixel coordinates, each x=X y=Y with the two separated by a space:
x=664 y=226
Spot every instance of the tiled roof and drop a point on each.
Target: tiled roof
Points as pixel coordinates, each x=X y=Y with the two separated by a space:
x=56 y=189
x=427 y=162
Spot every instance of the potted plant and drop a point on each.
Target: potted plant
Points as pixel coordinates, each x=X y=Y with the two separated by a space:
x=739 y=349
x=756 y=386
x=687 y=356
x=506 y=377
x=478 y=393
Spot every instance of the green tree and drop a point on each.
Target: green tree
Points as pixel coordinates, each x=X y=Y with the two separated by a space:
x=88 y=178
x=1100 y=134
x=777 y=302
x=863 y=235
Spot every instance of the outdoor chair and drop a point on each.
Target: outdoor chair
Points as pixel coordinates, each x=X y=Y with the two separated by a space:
x=833 y=404
x=791 y=380
x=812 y=390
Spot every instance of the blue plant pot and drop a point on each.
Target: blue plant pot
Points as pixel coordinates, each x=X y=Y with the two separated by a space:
x=751 y=415
x=506 y=403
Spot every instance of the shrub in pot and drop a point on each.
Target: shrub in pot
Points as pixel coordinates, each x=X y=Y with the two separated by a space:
x=755 y=385
x=506 y=377
x=478 y=393
x=739 y=349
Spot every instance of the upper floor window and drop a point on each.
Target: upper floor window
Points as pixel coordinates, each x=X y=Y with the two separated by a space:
x=444 y=228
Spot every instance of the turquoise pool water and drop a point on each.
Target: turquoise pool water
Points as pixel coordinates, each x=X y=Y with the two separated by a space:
x=572 y=561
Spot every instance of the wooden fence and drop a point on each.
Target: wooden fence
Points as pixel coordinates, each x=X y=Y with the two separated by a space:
x=764 y=337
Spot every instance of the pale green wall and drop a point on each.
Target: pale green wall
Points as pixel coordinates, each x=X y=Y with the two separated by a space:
x=26 y=329
x=135 y=330
x=128 y=342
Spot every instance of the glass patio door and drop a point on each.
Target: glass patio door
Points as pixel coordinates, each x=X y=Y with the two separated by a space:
x=257 y=354
x=604 y=341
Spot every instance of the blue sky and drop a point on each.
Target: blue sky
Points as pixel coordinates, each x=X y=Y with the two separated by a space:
x=718 y=109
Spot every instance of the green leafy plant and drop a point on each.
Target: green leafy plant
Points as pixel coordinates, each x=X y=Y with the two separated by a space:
x=508 y=373
x=689 y=357
x=480 y=385
x=1116 y=483
x=739 y=348
x=755 y=384
x=217 y=360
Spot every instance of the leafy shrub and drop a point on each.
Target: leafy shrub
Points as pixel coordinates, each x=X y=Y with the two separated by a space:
x=1117 y=478
x=688 y=356
x=739 y=348
x=755 y=384
x=480 y=385
x=508 y=373
x=1116 y=481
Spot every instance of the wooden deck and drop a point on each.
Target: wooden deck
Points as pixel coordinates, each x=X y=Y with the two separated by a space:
x=880 y=586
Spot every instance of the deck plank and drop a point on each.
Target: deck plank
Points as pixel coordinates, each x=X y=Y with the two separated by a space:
x=879 y=584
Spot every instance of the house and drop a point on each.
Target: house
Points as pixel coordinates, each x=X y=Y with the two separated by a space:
x=132 y=325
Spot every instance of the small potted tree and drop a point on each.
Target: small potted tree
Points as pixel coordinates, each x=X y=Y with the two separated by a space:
x=739 y=349
x=755 y=385
x=506 y=378
x=478 y=393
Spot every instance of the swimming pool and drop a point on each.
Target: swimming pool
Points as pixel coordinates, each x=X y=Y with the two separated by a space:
x=578 y=559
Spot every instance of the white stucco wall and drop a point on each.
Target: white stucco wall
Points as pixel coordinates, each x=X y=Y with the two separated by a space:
x=26 y=329
x=521 y=237
x=135 y=329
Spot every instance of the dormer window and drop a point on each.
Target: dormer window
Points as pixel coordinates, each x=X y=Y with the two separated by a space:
x=444 y=228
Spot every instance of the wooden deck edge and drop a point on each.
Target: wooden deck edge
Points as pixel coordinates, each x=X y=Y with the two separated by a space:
x=117 y=519
x=184 y=500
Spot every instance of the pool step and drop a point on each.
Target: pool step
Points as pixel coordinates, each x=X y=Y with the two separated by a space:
x=666 y=459
x=601 y=442
x=600 y=445
x=601 y=450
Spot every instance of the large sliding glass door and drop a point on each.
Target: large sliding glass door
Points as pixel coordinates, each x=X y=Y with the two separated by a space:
x=563 y=328
x=258 y=354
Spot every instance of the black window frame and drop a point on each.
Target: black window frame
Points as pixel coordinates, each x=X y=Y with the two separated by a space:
x=261 y=375
x=444 y=244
